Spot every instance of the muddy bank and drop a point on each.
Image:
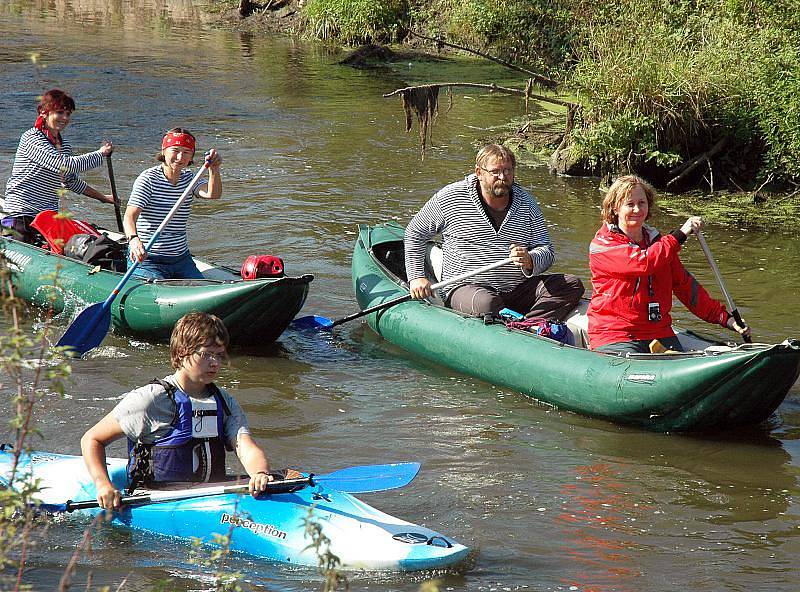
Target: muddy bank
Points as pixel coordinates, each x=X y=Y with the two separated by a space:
x=271 y=17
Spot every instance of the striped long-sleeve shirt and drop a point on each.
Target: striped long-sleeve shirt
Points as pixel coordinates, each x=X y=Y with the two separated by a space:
x=155 y=195
x=41 y=170
x=470 y=241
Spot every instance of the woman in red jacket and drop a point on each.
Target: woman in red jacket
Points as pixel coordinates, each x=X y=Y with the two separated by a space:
x=635 y=272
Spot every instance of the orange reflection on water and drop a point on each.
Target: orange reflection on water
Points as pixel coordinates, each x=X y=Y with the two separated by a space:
x=597 y=512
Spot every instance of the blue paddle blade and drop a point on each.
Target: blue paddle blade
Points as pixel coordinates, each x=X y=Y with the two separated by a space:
x=52 y=508
x=87 y=331
x=314 y=322
x=365 y=479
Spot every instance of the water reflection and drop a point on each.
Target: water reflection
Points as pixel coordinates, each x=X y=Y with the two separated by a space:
x=133 y=14
x=598 y=516
x=730 y=491
x=246 y=42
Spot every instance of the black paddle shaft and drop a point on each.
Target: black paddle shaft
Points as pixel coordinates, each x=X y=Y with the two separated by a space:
x=273 y=487
x=120 y=227
x=371 y=309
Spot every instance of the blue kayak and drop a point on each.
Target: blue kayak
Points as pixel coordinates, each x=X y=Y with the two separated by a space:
x=270 y=527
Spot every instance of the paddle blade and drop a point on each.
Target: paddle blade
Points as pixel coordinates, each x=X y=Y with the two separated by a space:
x=87 y=331
x=313 y=322
x=368 y=478
x=52 y=508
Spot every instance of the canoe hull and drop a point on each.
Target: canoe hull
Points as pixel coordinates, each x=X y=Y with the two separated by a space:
x=663 y=393
x=255 y=312
x=271 y=528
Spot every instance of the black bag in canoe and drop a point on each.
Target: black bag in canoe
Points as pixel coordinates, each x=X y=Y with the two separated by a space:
x=97 y=250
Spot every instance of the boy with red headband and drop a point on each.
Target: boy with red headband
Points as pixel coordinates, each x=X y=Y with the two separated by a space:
x=44 y=167
x=154 y=193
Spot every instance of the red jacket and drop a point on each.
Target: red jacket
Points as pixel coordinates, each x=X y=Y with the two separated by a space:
x=626 y=278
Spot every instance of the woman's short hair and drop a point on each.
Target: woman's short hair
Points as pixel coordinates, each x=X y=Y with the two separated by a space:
x=55 y=100
x=620 y=190
x=176 y=130
x=495 y=151
x=193 y=331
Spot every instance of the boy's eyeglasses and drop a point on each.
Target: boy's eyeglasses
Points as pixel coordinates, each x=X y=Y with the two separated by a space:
x=210 y=357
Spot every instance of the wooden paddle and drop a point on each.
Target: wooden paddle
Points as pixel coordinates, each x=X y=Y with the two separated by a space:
x=320 y=322
x=359 y=479
x=731 y=306
x=114 y=193
x=90 y=327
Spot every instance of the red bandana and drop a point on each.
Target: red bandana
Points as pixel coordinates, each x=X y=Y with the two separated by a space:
x=40 y=125
x=178 y=139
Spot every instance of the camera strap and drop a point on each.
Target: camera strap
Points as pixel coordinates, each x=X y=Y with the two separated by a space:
x=646 y=243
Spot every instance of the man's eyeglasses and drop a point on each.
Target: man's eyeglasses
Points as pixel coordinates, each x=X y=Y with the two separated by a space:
x=211 y=357
x=497 y=173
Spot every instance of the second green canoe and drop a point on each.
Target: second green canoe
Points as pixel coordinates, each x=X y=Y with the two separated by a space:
x=255 y=312
x=712 y=388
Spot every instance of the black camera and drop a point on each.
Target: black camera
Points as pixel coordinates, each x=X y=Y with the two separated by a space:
x=653 y=312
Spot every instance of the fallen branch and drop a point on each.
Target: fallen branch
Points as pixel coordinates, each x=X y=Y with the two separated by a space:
x=490 y=87
x=544 y=81
x=694 y=163
x=567 y=129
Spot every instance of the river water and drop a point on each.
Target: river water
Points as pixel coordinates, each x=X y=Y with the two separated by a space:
x=547 y=499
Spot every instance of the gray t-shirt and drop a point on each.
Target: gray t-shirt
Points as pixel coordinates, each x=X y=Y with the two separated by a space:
x=146 y=414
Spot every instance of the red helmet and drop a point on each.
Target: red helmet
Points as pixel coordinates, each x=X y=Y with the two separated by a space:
x=258 y=266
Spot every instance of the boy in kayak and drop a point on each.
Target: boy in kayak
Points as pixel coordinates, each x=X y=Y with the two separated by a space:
x=179 y=428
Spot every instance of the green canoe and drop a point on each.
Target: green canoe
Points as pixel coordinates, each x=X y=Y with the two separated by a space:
x=713 y=387
x=255 y=312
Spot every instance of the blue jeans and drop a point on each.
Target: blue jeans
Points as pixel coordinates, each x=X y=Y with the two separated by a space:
x=164 y=267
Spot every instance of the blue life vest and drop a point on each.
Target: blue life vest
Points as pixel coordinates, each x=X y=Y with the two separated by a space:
x=172 y=457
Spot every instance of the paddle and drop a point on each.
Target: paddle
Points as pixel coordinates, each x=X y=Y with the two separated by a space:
x=90 y=327
x=114 y=193
x=319 y=322
x=731 y=306
x=361 y=479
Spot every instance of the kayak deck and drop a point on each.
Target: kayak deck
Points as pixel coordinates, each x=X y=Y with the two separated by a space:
x=271 y=527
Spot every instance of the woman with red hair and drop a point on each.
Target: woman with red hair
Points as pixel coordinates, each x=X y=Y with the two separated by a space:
x=44 y=167
x=154 y=193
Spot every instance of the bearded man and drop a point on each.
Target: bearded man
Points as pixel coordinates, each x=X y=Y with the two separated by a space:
x=482 y=219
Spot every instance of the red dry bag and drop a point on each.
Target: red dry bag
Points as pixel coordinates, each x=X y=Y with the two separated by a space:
x=58 y=229
x=260 y=266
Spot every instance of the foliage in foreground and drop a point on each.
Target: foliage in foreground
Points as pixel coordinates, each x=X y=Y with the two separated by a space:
x=29 y=372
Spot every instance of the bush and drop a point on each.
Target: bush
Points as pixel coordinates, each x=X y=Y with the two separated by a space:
x=670 y=94
x=776 y=91
x=536 y=33
x=355 y=21
x=659 y=82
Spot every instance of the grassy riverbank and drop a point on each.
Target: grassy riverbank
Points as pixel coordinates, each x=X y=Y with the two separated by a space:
x=701 y=96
